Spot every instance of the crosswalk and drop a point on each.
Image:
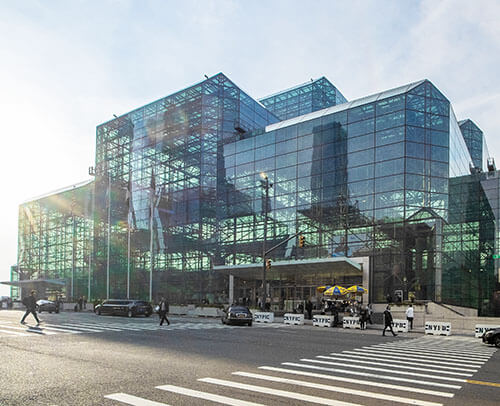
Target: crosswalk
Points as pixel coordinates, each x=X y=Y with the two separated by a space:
x=425 y=371
x=12 y=329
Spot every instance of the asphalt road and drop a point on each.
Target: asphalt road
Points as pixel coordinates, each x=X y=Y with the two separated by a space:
x=84 y=359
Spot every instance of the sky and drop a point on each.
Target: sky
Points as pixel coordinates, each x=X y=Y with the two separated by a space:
x=67 y=66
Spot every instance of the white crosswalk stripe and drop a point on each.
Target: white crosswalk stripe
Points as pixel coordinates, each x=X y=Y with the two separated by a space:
x=10 y=329
x=356 y=375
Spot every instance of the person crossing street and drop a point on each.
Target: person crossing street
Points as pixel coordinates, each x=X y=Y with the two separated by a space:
x=30 y=303
x=388 y=321
x=163 y=310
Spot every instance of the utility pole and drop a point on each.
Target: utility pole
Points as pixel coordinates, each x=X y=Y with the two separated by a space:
x=265 y=184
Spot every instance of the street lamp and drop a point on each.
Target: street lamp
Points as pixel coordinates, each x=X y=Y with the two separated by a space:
x=265 y=184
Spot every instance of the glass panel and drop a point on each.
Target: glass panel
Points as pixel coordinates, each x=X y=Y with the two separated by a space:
x=359 y=143
x=415 y=134
x=388 y=183
x=415 y=166
x=415 y=150
x=390 y=151
x=361 y=113
x=389 y=167
x=416 y=182
x=389 y=136
x=360 y=128
x=439 y=153
x=390 y=120
x=360 y=172
x=392 y=104
x=360 y=158
x=415 y=118
x=415 y=102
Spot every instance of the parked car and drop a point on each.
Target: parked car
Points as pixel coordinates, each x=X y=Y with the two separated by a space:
x=492 y=337
x=129 y=308
x=237 y=315
x=43 y=305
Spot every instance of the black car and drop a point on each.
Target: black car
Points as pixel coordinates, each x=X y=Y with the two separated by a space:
x=237 y=315
x=47 y=306
x=129 y=308
x=492 y=337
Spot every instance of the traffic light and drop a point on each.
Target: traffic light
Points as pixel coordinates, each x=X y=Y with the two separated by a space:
x=268 y=264
x=302 y=241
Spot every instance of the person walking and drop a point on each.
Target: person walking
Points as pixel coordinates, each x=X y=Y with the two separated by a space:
x=163 y=310
x=388 y=321
x=309 y=309
x=370 y=312
x=409 y=316
x=30 y=303
x=363 y=317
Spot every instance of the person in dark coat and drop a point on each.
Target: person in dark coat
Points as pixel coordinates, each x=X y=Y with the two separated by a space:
x=163 y=310
x=309 y=309
x=30 y=303
x=388 y=321
x=363 y=317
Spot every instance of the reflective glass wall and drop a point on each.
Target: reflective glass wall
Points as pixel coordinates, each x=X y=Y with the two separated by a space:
x=474 y=138
x=158 y=188
x=471 y=239
x=369 y=180
x=55 y=239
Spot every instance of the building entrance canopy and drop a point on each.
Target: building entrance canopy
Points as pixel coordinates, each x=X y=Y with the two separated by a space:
x=40 y=285
x=309 y=270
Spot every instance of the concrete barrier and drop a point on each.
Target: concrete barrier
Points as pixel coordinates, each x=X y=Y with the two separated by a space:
x=400 y=326
x=322 y=321
x=176 y=309
x=351 y=322
x=263 y=317
x=292 y=318
x=483 y=328
x=437 y=328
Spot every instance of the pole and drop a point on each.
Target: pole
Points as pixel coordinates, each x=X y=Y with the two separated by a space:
x=109 y=234
x=128 y=262
x=151 y=246
x=266 y=190
x=73 y=257
x=91 y=240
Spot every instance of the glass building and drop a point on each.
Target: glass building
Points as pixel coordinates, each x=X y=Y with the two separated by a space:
x=179 y=205
x=55 y=242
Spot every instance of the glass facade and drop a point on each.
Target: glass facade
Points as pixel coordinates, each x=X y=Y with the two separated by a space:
x=178 y=190
x=365 y=180
x=55 y=234
x=474 y=140
x=159 y=187
x=306 y=98
x=471 y=240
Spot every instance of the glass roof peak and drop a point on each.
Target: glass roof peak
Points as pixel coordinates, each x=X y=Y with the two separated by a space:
x=322 y=78
x=345 y=106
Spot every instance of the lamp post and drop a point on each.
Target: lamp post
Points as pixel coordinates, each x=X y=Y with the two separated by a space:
x=265 y=184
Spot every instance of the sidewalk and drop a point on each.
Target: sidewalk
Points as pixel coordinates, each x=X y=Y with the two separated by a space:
x=377 y=329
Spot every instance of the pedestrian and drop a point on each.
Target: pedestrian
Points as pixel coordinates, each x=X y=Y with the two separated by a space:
x=85 y=302
x=409 y=316
x=30 y=303
x=388 y=321
x=370 y=312
x=80 y=303
x=309 y=309
x=163 y=310
x=363 y=317
x=335 y=314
